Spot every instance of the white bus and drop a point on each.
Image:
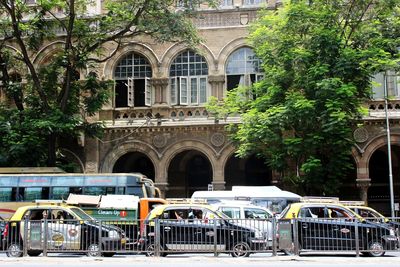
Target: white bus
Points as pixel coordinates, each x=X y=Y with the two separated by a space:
x=270 y=197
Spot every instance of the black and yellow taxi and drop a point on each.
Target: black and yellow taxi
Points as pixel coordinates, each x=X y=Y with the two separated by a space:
x=330 y=226
x=371 y=214
x=59 y=228
x=198 y=228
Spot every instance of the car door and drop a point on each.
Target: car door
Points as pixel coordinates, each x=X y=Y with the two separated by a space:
x=176 y=233
x=312 y=228
x=342 y=229
x=35 y=219
x=63 y=231
x=261 y=220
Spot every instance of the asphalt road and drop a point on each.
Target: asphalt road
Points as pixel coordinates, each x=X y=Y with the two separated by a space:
x=314 y=260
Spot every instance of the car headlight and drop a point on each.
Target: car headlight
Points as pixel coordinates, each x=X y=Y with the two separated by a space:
x=113 y=234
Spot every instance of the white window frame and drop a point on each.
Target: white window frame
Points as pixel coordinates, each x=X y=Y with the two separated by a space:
x=185 y=93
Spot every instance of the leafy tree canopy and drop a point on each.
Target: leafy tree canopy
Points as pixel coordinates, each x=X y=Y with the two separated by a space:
x=54 y=100
x=318 y=57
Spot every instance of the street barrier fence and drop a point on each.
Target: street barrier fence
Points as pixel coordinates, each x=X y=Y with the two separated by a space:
x=240 y=238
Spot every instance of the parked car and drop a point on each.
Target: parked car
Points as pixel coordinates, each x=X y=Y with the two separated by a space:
x=247 y=214
x=191 y=228
x=2 y=226
x=372 y=215
x=61 y=228
x=333 y=227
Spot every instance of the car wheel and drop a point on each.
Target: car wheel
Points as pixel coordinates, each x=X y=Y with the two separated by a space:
x=376 y=249
x=93 y=250
x=34 y=253
x=14 y=250
x=150 y=251
x=240 y=249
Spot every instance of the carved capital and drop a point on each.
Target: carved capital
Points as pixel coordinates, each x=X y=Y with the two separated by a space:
x=216 y=78
x=159 y=81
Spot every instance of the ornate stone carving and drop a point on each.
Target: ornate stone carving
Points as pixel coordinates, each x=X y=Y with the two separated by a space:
x=218 y=139
x=360 y=135
x=159 y=141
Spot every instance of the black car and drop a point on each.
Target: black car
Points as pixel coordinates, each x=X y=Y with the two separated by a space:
x=333 y=227
x=183 y=228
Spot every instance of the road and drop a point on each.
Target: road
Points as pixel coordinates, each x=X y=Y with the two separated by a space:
x=390 y=260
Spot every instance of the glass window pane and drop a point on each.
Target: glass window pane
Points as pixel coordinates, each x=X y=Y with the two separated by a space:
x=133 y=65
x=5 y=194
x=60 y=193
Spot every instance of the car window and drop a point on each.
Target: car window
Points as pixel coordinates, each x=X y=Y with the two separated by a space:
x=37 y=214
x=62 y=216
x=339 y=213
x=231 y=212
x=312 y=212
x=81 y=214
x=254 y=213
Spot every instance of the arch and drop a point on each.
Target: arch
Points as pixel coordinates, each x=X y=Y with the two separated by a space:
x=132 y=146
x=143 y=50
x=176 y=49
x=375 y=144
x=178 y=147
x=43 y=54
x=229 y=48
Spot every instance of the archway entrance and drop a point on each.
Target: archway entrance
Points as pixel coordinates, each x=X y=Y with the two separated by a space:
x=248 y=171
x=188 y=171
x=135 y=162
x=379 y=192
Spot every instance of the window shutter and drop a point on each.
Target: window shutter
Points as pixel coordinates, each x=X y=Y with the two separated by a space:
x=131 y=100
x=194 y=95
x=147 y=92
x=174 y=90
x=203 y=90
x=183 y=90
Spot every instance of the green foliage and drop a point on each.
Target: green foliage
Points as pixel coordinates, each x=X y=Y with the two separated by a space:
x=318 y=58
x=56 y=97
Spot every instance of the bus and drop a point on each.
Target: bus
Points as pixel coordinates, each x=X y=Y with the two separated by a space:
x=18 y=189
x=270 y=197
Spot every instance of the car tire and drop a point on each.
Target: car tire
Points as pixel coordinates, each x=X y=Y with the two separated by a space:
x=33 y=253
x=14 y=251
x=240 y=250
x=93 y=250
x=376 y=249
x=150 y=251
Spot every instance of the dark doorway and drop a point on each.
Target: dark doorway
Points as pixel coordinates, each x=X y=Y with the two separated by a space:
x=135 y=162
x=189 y=171
x=379 y=192
x=249 y=171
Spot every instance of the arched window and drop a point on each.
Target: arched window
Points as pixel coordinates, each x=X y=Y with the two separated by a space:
x=132 y=77
x=242 y=68
x=188 y=79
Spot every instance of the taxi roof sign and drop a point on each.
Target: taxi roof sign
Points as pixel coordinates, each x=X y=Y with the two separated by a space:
x=316 y=199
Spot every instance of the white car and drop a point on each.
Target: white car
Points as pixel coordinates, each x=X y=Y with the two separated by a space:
x=252 y=216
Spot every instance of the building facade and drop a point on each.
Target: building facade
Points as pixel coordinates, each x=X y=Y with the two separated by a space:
x=157 y=123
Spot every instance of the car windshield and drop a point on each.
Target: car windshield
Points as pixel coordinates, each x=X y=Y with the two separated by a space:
x=81 y=214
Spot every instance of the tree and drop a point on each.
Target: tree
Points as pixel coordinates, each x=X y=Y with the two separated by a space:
x=54 y=101
x=318 y=57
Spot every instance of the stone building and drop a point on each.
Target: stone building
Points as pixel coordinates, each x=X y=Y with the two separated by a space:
x=157 y=124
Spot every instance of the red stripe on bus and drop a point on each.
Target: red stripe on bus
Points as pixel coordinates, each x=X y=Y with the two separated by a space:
x=7 y=210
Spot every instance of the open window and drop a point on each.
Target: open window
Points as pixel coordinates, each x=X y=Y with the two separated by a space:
x=132 y=82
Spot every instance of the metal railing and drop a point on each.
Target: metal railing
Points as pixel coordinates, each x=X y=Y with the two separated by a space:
x=240 y=238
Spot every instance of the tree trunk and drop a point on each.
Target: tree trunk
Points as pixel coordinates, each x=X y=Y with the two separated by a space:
x=51 y=152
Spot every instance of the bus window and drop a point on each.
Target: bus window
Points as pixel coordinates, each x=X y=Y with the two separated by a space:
x=99 y=190
x=120 y=190
x=134 y=190
x=5 y=194
x=60 y=192
x=76 y=190
x=34 y=193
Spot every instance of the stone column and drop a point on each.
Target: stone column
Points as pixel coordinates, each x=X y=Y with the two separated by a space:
x=217 y=85
x=364 y=184
x=91 y=147
x=160 y=86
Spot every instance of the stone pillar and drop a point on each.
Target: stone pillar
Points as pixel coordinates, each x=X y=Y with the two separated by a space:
x=364 y=184
x=91 y=155
x=163 y=186
x=217 y=85
x=160 y=86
